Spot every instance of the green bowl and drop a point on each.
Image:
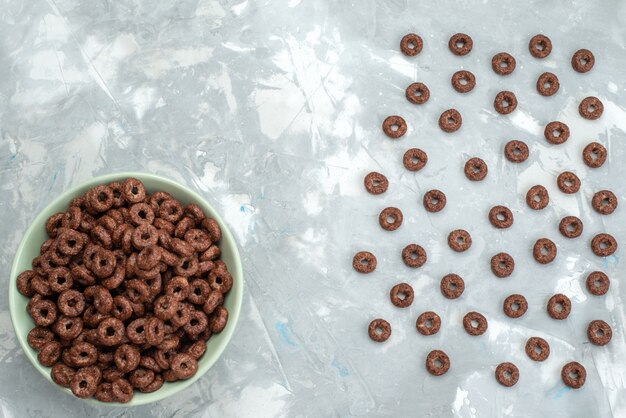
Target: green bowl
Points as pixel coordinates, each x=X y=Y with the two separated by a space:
x=36 y=234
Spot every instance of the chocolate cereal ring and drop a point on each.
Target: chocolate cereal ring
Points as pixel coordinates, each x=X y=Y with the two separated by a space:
x=122 y=390
x=99 y=199
x=515 y=306
x=376 y=183
x=540 y=46
x=604 y=202
x=417 y=93
x=177 y=287
x=133 y=191
x=559 y=306
x=544 y=251
x=183 y=365
x=547 y=84
x=62 y=374
x=434 y=200
x=475 y=323
x=516 y=151
x=460 y=44
x=411 y=44
x=599 y=332
x=537 y=349
x=507 y=374
x=437 y=362
x=111 y=332
x=217 y=321
x=568 y=182
x=379 y=330
x=414 y=255
x=594 y=155
x=452 y=286
x=556 y=132
x=571 y=227
x=84 y=383
x=450 y=120
x=501 y=217
x=24 y=283
x=38 y=337
x=141 y=378
x=603 y=245
x=591 y=108
x=502 y=265
x=126 y=358
x=414 y=159
x=50 y=353
x=475 y=169
x=401 y=295
x=574 y=375
x=505 y=102
x=219 y=279
x=459 y=240
x=390 y=218
x=537 y=197
x=198 y=321
x=83 y=354
x=428 y=323
x=394 y=127
x=598 y=283
x=214 y=300
x=583 y=60
x=503 y=63
x=43 y=312
x=463 y=81
x=104 y=393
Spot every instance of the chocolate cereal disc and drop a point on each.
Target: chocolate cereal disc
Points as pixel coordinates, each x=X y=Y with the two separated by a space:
x=459 y=240
x=434 y=200
x=450 y=120
x=390 y=219
x=376 y=183
x=591 y=108
x=379 y=330
x=502 y=265
x=437 y=362
x=475 y=323
x=460 y=44
x=516 y=151
x=394 y=127
x=364 y=262
x=537 y=197
x=597 y=283
x=414 y=256
x=594 y=155
x=583 y=60
x=574 y=375
x=559 y=306
x=503 y=63
x=604 y=202
x=505 y=102
x=507 y=374
x=411 y=44
x=544 y=251
x=599 y=332
x=401 y=295
x=414 y=159
x=540 y=46
x=428 y=323
x=463 y=81
x=475 y=169
x=417 y=93
x=571 y=227
x=452 y=286
x=515 y=306
x=501 y=217
x=603 y=245
x=537 y=349
x=547 y=84
x=556 y=132
x=568 y=182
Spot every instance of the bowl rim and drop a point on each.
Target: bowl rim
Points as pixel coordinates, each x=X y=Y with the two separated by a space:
x=233 y=315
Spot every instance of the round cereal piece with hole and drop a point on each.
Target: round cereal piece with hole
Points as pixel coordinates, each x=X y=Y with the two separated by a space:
x=38 y=337
x=411 y=44
x=505 y=102
x=402 y=295
x=84 y=383
x=104 y=393
x=501 y=217
x=603 y=245
x=133 y=191
x=394 y=127
x=450 y=120
x=43 y=312
x=502 y=265
x=83 y=354
x=507 y=374
x=599 y=332
x=414 y=256
x=183 y=365
x=428 y=323
x=571 y=227
x=544 y=251
x=597 y=283
x=540 y=46
x=604 y=202
x=594 y=155
x=434 y=200
x=390 y=219
x=452 y=286
x=475 y=323
x=516 y=151
x=417 y=93
x=503 y=63
x=50 y=353
x=568 y=182
x=463 y=81
x=559 y=306
x=537 y=349
x=460 y=44
x=62 y=374
x=24 y=283
x=591 y=108
x=459 y=240
x=376 y=183
x=414 y=159
x=379 y=330
x=574 y=375
x=515 y=306
x=583 y=60
x=122 y=390
x=556 y=132
x=548 y=84
x=475 y=169
x=537 y=197
x=126 y=358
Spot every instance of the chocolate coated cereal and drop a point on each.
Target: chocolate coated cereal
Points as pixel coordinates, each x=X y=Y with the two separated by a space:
x=515 y=306
x=390 y=218
x=547 y=84
x=417 y=93
x=574 y=375
x=475 y=169
x=428 y=323
x=603 y=245
x=503 y=63
x=540 y=46
x=544 y=251
x=537 y=197
x=414 y=255
x=414 y=159
x=475 y=323
x=559 y=306
x=537 y=349
x=460 y=44
x=583 y=60
x=364 y=262
x=568 y=182
x=591 y=108
x=516 y=151
x=594 y=155
x=459 y=240
x=599 y=332
x=394 y=127
x=463 y=81
x=434 y=200
x=507 y=374
x=401 y=295
x=437 y=362
x=556 y=132
x=450 y=120
x=501 y=217
x=604 y=202
x=411 y=44
x=571 y=227
x=452 y=286
x=505 y=102
x=502 y=265
x=379 y=330
x=598 y=283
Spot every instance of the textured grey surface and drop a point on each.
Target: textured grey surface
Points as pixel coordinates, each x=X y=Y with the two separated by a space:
x=272 y=110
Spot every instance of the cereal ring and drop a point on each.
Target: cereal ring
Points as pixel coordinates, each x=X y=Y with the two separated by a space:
x=591 y=108
x=574 y=375
x=186 y=267
x=165 y=307
x=101 y=237
x=107 y=222
x=502 y=265
x=104 y=393
x=177 y=287
x=86 y=222
x=540 y=46
x=24 y=283
x=183 y=365
x=69 y=242
x=599 y=332
x=141 y=378
x=411 y=44
x=118 y=276
x=376 y=183
x=603 y=245
x=559 y=306
x=428 y=323
x=544 y=251
x=571 y=227
x=198 y=239
x=149 y=363
x=537 y=197
x=220 y=279
x=38 y=337
x=102 y=300
x=379 y=330
x=414 y=159
x=92 y=317
x=196 y=350
x=507 y=374
x=556 y=132
x=537 y=349
x=211 y=254
x=503 y=63
x=390 y=218
x=122 y=390
x=43 y=312
x=136 y=331
x=71 y=303
x=604 y=202
x=62 y=374
x=99 y=199
x=505 y=102
x=460 y=44
x=475 y=169
x=50 y=353
x=198 y=291
x=141 y=213
x=214 y=300
x=144 y=235
x=84 y=383
x=515 y=306
x=40 y=285
x=394 y=127
x=450 y=120
x=181 y=247
x=463 y=81
x=137 y=291
x=149 y=257
x=154 y=330
x=401 y=295
x=170 y=342
x=171 y=210
x=417 y=93
x=195 y=212
x=133 y=191
x=414 y=256
x=452 y=286
x=182 y=315
x=583 y=60
x=501 y=217
x=594 y=155
x=60 y=279
x=198 y=321
x=459 y=240
x=83 y=354
x=154 y=386
x=516 y=151
x=475 y=323
x=111 y=332
x=568 y=182
x=54 y=223
x=434 y=200
x=598 y=283
x=437 y=362
x=111 y=374
x=548 y=84
x=126 y=358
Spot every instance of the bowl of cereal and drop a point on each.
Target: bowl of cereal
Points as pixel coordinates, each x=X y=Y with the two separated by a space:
x=125 y=289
